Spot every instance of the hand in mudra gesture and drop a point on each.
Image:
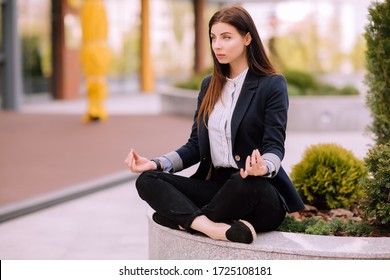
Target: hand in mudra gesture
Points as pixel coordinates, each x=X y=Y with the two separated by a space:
x=137 y=164
x=254 y=165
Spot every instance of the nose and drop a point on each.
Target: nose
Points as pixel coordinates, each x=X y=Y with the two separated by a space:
x=216 y=44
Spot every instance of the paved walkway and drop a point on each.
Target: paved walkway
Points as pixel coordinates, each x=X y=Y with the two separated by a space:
x=111 y=223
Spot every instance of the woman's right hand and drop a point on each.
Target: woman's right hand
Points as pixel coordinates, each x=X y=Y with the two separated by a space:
x=138 y=164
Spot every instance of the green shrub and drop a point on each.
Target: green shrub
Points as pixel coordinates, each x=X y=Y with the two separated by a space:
x=290 y=224
x=329 y=89
x=303 y=83
x=335 y=227
x=294 y=90
x=377 y=187
x=358 y=229
x=325 y=89
x=377 y=36
x=302 y=80
x=349 y=90
x=329 y=176
x=319 y=228
x=194 y=81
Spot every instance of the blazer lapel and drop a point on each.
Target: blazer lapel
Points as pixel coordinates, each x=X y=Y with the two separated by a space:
x=247 y=92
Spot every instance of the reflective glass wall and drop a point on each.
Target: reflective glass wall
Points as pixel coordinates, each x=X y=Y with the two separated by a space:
x=34 y=23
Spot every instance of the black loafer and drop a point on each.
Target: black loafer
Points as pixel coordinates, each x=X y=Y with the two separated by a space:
x=242 y=232
x=163 y=221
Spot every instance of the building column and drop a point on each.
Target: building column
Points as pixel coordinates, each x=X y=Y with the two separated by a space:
x=147 y=75
x=10 y=63
x=200 y=52
x=66 y=77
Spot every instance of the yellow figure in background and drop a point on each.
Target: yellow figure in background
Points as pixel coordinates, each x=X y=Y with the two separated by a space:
x=95 y=58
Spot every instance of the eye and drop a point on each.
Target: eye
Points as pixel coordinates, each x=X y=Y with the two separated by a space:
x=226 y=37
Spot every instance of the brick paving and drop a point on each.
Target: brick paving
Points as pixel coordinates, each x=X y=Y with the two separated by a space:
x=46 y=152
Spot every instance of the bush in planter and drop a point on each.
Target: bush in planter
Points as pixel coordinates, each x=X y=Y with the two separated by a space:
x=377 y=36
x=377 y=78
x=194 y=81
x=349 y=90
x=303 y=83
x=377 y=186
x=335 y=227
x=301 y=80
x=328 y=89
x=325 y=89
x=329 y=176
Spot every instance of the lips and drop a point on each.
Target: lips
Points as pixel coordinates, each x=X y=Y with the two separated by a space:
x=219 y=56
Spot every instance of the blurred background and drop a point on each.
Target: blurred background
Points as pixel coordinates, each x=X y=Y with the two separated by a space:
x=136 y=48
x=317 y=37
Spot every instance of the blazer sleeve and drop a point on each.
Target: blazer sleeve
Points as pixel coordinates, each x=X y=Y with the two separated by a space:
x=275 y=118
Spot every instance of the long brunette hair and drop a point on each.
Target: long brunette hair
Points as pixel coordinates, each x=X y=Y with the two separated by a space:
x=257 y=59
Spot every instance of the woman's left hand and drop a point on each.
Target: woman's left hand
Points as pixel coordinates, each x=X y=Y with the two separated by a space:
x=254 y=165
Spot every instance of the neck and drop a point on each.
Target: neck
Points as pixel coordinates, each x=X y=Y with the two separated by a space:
x=237 y=69
x=236 y=72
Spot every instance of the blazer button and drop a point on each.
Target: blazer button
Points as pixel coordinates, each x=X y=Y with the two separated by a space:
x=237 y=157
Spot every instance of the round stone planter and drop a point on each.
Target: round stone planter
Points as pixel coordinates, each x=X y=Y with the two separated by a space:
x=306 y=113
x=165 y=243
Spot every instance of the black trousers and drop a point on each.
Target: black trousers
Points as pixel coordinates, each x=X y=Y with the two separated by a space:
x=226 y=196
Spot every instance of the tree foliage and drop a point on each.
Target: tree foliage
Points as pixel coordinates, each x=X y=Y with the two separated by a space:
x=377 y=79
x=377 y=187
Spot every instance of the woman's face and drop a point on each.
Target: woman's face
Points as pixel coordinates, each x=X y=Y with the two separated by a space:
x=228 y=45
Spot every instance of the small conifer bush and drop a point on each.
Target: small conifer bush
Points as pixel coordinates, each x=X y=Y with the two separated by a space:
x=377 y=186
x=329 y=176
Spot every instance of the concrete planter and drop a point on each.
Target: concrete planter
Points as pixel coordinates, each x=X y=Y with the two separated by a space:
x=178 y=101
x=165 y=243
x=306 y=113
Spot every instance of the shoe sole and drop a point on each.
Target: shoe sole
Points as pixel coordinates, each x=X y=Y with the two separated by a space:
x=251 y=228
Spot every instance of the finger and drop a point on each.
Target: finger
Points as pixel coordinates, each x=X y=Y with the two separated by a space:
x=253 y=158
x=257 y=155
x=134 y=154
x=130 y=152
x=243 y=173
x=128 y=158
x=248 y=163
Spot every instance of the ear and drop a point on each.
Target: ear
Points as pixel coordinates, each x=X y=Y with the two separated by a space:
x=248 y=39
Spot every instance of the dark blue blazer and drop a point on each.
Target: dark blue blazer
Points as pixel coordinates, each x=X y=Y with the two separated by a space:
x=258 y=122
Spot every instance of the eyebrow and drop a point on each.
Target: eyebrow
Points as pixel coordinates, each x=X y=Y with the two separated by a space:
x=223 y=33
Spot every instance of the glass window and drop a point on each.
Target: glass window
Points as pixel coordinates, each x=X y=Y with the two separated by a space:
x=34 y=23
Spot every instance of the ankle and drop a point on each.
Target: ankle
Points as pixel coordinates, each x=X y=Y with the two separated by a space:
x=211 y=229
x=218 y=231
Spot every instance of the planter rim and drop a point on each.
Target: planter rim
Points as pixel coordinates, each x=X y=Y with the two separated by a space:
x=290 y=244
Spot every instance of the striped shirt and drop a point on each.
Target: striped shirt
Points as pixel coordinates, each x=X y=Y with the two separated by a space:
x=219 y=122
